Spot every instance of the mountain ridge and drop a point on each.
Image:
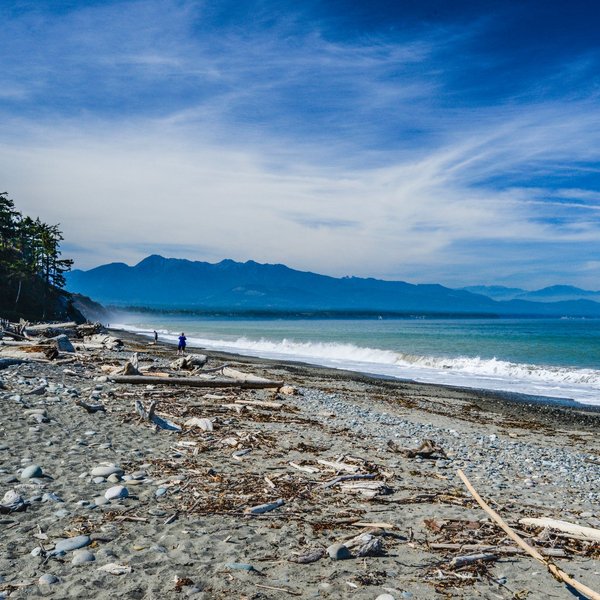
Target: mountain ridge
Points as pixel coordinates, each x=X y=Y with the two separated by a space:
x=158 y=282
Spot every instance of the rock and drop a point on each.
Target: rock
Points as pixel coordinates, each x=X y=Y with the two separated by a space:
x=81 y=557
x=99 y=479
x=116 y=492
x=39 y=418
x=63 y=343
x=48 y=579
x=138 y=475
x=114 y=478
x=204 y=424
x=288 y=390
x=100 y=501
x=385 y=597
x=160 y=492
x=32 y=471
x=13 y=502
x=36 y=551
x=106 y=471
x=51 y=497
x=70 y=544
x=338 y=552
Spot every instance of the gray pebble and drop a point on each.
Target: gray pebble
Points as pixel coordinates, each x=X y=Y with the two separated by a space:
x=74 y=543
x=100 y=501
x=32 y=471
x=116 y=493
x=83 y=556
x=114 y=478
x=48 y=579
x=338 y=552
x=106 y=471
x=99 y=479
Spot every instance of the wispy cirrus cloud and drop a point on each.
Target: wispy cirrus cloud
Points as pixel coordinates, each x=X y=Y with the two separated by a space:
x=425 y=151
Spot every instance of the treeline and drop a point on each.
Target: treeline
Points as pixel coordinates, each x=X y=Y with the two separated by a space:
x=31 y=268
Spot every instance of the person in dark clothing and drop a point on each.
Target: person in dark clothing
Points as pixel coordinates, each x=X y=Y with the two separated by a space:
x=181 y=347
x=155 y=337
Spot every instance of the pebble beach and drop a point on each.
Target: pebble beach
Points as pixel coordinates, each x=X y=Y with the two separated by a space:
x=332 y=485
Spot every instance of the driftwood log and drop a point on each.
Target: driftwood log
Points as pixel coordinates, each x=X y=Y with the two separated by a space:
x=588 y=534
x=195 y=382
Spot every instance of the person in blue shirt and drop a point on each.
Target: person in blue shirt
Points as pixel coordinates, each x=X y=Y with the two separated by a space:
x=181 y=347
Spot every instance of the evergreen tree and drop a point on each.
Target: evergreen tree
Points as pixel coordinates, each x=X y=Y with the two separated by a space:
x=31 y=268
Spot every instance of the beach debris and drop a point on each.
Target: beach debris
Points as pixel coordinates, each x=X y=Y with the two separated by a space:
x=194 y=382
x=557 y=572
x=115 y=569
x=368 y=489
x=309 y=557
x=82 y=557
x=341 y=478
x=263 y=508
x=200 y=423
x=461 y=561
x=288 y=390
x=149 y=415
x=189 y=362
x=427 y=449
x=48 y=579
x=588 y=534
x=91 y=408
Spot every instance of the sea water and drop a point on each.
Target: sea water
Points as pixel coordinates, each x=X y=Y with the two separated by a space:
x=547 y=358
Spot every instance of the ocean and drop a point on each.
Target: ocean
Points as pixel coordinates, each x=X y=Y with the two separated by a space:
x=546 y=358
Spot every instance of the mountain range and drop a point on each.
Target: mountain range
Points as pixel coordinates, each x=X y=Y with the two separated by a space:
x=176 y=284
x=554 y=293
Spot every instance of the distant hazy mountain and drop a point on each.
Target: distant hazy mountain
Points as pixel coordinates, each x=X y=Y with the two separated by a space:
x=554 y=293
x=158 y=282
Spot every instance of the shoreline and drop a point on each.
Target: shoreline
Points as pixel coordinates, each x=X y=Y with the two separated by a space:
x=333 y=455
x=572 y=413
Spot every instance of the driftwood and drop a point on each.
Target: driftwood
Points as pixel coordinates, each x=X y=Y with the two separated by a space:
x=510 y=550
x=263 y=508
x=341 y=478
x=44 y=327
x=310 y=557
x=556 y=571
x=587 y=534
x=428 y=449
x=260 y=403
x=469 y=559
x=91 y=408
x=338 y=466
x=195 y=382
x=240 y=376
x=148 y=415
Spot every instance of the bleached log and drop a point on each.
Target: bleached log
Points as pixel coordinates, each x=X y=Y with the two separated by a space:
x=463 y=561
x=240 y=376
x=194 y=382
x=46 y=326
x=582 y=533
x=342 y=478
x=510 y=550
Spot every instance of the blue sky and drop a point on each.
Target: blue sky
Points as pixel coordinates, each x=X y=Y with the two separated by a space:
x=455 y=142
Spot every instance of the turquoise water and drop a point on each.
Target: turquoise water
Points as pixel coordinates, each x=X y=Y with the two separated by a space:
x=545 y=357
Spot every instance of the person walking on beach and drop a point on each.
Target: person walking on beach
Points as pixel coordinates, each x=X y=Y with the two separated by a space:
x=181 y=347
x=155 y=337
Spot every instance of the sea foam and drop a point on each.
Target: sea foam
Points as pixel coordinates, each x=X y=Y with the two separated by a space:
x=582 y=385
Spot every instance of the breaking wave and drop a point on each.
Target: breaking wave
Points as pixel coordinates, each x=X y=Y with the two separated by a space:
x=582 y=385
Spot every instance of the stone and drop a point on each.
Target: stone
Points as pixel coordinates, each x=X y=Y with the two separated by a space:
x=70 y=544
x=114 y=478
x=48 y=579
x=160 y=492
x=116 y=492
x=338 y=552
x=106 y=471
x=63 y=343
x=99 y=479
x=32 y=471
x=100 y=501
x=82 y=556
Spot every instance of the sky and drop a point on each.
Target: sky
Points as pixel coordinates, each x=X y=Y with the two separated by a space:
x=422 y=140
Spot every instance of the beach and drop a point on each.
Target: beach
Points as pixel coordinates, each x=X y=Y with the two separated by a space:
x=334 y=485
